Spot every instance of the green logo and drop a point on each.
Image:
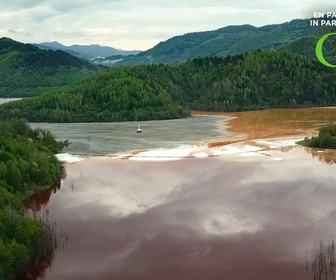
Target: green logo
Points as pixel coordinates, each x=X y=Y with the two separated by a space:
x=319 y=52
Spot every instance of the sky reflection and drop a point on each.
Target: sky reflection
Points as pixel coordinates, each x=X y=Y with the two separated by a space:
x=213 y=218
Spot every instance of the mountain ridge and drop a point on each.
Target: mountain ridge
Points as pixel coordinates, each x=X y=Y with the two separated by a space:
x=86 y=51
x=26 y=70
x=228 y=40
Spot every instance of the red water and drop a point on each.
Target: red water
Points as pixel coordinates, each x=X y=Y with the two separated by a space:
x=215 y=218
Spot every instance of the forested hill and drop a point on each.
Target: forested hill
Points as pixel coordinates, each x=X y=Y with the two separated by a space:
x=26 y=70
x=229 y=40
x=257 y=80
x=306 y=45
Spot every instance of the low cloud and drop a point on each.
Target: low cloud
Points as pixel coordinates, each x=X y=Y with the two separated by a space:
x=17 y=32
x=141 y=24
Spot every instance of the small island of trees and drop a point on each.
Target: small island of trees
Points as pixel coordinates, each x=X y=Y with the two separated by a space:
x=326 y=139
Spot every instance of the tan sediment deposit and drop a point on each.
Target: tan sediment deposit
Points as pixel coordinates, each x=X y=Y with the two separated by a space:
x=327 y=156
x=274 y=123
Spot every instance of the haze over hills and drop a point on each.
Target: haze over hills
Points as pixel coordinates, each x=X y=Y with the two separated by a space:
x=86 y=51
x=26 y=70
x=225 y=41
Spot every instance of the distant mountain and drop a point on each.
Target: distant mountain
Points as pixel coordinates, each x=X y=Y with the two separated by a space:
x=26 y=70
x=225 y=41
x=86 y=51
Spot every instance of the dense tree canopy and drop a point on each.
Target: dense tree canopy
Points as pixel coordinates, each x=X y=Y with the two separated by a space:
x=326 y=139
x=114 y=95
x=26 y=70
x=306 y=45
x=27 y=163
x=251 y=81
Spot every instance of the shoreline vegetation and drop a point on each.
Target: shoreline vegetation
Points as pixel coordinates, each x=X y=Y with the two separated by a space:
x=322 y=260
x=27 y=165
x=326 y=138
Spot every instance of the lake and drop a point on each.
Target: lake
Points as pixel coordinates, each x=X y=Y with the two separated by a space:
x=253 y=210
x=109 y=138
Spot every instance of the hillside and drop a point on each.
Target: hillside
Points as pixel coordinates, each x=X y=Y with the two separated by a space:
x=256 y=80
x=229 y=40
x=306 y=45
x=26 y=70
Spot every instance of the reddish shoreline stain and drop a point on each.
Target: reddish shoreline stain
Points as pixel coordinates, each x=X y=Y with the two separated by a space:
x=41 y=199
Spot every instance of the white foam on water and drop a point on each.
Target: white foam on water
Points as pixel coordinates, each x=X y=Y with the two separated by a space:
x=198 y=152
x=165 y=154
x=69 y=158
x=238 y=149
x=279 y=142
x=201 y=155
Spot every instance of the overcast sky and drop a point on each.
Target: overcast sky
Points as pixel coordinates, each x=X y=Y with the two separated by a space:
x=139 y=24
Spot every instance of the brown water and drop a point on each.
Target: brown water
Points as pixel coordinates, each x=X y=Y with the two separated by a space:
x=227 y=218
x=278 y=122
x=214 y=218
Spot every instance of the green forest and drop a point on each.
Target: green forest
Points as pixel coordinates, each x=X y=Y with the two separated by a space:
x=306 y=45
x=250 y=81
x=326 y=139
x=27 y=165
x=229 y=40
x=26 y=70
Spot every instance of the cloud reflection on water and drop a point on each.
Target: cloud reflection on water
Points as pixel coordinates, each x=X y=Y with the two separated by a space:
x=214 y=218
